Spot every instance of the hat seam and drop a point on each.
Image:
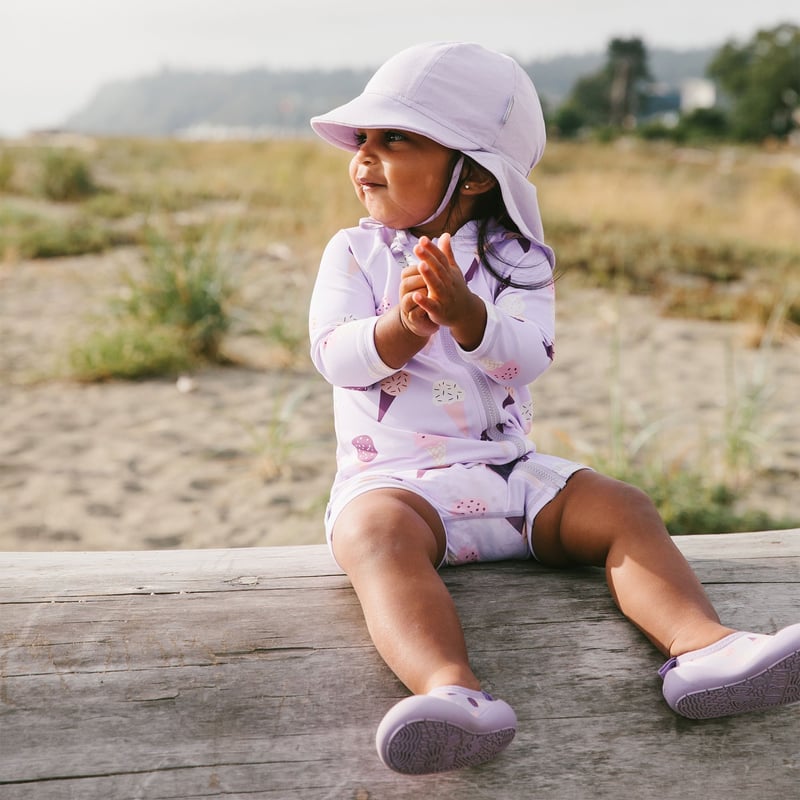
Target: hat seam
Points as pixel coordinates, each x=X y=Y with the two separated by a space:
x=414 y=106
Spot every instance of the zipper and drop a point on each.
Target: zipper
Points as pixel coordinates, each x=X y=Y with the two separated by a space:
x=491 y=413
x=544 y=474
x=481 y=382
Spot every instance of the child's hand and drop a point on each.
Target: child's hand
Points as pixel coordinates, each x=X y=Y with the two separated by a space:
x=414 y=318
x=445 y=297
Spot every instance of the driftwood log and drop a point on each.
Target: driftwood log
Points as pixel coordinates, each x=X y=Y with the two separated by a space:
x=249 y=674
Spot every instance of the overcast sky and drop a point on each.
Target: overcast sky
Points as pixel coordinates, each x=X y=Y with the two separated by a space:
x=54 y=54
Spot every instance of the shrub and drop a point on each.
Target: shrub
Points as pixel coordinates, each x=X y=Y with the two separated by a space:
x=6 y=170
x=691 y=504
x=169 y=316
x=65 y=176
x=46 y=239
x=184 y=286
x=131 y=351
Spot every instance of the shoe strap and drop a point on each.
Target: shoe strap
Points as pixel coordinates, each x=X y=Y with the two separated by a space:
x=667 y=666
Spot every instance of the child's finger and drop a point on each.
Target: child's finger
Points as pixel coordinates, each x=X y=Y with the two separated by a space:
x=428 y=304
x=433 y=279
x=427 y=252
x=446 y=246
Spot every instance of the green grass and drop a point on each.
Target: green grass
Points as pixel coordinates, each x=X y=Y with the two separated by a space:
x=705 y=490
x=691 y=276
x=131 y=350
x=689 y=501
x=170 y=316
x=186 y=285
x=65 y=176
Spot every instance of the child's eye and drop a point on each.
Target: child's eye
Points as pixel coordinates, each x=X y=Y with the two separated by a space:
x=389 y=137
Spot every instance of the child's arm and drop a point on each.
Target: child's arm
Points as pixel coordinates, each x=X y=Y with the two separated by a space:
x=400 y=335
x=351 y=345
x=510 y=340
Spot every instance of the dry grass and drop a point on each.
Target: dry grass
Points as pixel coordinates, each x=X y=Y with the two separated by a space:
x=710 y=233
x=740 y=195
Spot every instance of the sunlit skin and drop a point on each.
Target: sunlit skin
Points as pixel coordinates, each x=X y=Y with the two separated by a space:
x=389 y=541
x=401 y=178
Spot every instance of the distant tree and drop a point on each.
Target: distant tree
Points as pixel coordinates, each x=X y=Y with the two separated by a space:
x=568 y=121
x=591 y=98
x=627 y=63
x=762 y=81
x=704 y=123
x=613 y=94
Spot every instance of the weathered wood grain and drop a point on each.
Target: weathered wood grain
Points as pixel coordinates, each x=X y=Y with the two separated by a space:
x=249 y=674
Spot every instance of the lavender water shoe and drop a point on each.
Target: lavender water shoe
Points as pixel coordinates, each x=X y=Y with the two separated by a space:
x=742 y=672
x=448 y=728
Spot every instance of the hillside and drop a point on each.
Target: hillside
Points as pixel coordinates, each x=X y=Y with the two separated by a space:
x=281 y=102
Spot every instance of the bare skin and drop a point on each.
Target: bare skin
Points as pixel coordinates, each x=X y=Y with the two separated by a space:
x=390 y=542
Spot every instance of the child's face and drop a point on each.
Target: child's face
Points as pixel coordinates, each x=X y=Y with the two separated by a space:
x=401 y=177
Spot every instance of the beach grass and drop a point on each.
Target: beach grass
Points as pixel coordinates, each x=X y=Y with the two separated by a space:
x=228 y=236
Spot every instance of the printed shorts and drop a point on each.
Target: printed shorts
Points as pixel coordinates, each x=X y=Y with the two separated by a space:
x=487 y=510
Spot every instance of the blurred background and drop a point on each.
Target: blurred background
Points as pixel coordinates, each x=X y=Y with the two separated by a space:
x=195 y=67
x=163 y=207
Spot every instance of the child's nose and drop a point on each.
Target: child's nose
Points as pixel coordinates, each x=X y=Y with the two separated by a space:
x=364 y=154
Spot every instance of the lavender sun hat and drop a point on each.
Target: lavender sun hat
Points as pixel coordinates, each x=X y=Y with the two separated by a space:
x=465 y=97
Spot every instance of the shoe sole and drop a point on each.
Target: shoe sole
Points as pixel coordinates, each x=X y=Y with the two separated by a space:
x=424 y=746
x=776 y=685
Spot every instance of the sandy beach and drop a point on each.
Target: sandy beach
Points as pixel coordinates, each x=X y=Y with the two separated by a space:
x=242 y=456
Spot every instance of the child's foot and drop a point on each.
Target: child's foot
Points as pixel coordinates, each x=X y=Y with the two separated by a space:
x=742 y=672
x=448 y=728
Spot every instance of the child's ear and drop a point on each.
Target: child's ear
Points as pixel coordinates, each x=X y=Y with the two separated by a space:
x=477 y=181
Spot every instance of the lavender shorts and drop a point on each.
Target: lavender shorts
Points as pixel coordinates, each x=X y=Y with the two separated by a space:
x=487 y=511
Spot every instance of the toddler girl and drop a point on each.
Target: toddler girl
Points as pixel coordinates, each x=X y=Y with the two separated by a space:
x=430 y=319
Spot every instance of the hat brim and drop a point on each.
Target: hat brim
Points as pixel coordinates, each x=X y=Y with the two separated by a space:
x=373 y=110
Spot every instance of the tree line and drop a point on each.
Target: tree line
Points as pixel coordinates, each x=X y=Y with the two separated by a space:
x=758 y=83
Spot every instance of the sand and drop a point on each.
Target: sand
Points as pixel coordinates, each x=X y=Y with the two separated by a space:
x=243 y=456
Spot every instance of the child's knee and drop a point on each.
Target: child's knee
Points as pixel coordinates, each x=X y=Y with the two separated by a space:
x=383 y=524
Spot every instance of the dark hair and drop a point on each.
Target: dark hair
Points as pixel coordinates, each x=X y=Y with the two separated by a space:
x=489 y=207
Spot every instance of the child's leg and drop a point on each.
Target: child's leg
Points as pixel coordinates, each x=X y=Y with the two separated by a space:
x=596 y=520
x=600 y=521
x=389 y=542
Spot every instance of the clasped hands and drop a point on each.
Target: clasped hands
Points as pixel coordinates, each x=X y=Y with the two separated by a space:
x=434 y=293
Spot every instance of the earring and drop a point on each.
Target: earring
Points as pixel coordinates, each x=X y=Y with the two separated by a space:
x=466 y=186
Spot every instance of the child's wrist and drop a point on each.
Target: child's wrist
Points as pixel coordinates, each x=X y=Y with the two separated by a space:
x=407 y=329
x=469 y=334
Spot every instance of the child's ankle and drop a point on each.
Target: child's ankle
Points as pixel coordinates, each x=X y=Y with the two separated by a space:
x=451 y=677
x=698 y=638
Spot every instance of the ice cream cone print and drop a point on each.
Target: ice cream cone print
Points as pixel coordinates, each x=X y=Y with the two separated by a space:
x=383 y=306
x=505 y=372
x=469 y=506
x=391 y=387
x=435 y=446
x=449 y=396
x=527 y=413
x=457 y=412
x=365 y=448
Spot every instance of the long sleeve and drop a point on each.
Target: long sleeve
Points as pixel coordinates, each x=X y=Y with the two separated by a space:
x=445 y=405
x=517 y=345
x=515 y=350
x=342 y=320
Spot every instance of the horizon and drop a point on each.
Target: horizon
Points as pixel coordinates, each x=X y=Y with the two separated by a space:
x=99 y=43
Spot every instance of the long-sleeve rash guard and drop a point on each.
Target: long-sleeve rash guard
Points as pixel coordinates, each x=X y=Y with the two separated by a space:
x=446 y=405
